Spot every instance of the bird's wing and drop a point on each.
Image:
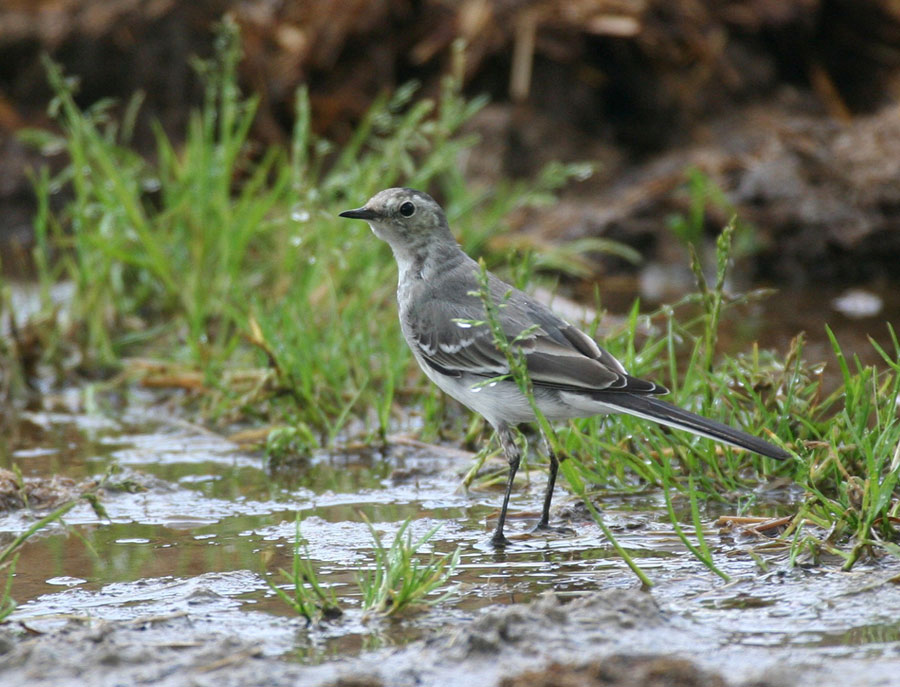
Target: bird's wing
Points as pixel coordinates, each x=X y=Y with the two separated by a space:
x=453 y=339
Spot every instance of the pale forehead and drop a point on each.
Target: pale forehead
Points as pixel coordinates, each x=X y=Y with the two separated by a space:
x=392 y=196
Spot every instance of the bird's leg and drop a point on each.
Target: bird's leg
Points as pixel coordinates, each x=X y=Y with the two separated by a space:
x=514 y=456
x=551 y=483
x=544 y=524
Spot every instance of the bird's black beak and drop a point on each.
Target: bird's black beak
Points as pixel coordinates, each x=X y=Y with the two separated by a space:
x=359 y=213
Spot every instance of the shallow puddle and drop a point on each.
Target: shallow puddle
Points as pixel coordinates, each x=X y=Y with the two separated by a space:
x=205 y=521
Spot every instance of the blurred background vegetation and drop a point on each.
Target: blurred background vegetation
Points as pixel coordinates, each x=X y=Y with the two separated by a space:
x=787 y=106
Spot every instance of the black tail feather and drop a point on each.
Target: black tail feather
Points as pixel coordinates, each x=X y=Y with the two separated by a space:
x=666 y=414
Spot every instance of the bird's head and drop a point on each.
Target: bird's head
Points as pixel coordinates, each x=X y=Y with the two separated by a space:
x=403 y=217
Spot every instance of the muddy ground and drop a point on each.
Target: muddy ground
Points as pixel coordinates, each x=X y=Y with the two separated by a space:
x=168 y=586
x=617 y=637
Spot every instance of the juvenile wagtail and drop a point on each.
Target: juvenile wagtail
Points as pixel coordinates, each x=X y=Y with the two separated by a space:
x=571 y=376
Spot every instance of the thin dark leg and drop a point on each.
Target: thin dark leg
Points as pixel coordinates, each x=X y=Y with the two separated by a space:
x=514 y=456
x=551 y=482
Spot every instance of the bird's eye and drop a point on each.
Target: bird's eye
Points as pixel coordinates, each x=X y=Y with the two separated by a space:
x=407 y=209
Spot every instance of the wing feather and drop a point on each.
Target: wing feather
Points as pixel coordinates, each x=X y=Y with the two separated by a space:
x=450 y=336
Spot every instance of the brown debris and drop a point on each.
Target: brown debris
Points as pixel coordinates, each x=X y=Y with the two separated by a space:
x=753 y=525
x=688 y=55
x=37 y=493
x=619 y=671
x=357 y=681
x=823 y=195
x=607 y=80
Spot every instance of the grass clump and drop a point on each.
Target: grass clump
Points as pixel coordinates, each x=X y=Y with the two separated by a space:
x=846 y=442
x=308 y=597
x=221 y=255
x=851 y=478
x=9 y=555
x=398 y=579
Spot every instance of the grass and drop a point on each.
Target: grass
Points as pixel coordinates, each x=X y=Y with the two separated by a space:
x=308 y=597
x=397 y=580
x=847 y=443
x=227 y=255
x=851 y=504
x=851 y=482
x=9 y=555
x=223 y=258
x=10 y=365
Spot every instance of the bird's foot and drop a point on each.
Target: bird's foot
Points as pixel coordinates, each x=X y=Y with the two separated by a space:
x=544 y=527
x=499 y=541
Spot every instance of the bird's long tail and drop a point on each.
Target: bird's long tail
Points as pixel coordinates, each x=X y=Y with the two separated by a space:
x=653 y=409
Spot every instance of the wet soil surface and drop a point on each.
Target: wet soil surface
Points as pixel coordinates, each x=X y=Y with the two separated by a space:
x=170 y=589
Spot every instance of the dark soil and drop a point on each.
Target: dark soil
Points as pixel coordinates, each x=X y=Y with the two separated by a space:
x=619 y=671
x=790 y=106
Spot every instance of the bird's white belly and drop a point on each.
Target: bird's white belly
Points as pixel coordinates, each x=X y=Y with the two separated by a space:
x=503 y=402
x=500 y=403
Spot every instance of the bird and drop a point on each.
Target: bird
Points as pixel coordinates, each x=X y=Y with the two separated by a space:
x=443 y=319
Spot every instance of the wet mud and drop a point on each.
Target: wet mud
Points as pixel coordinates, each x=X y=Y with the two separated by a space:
x=170 y=588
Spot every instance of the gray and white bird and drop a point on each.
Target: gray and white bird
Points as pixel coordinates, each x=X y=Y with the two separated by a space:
x=571 y=376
